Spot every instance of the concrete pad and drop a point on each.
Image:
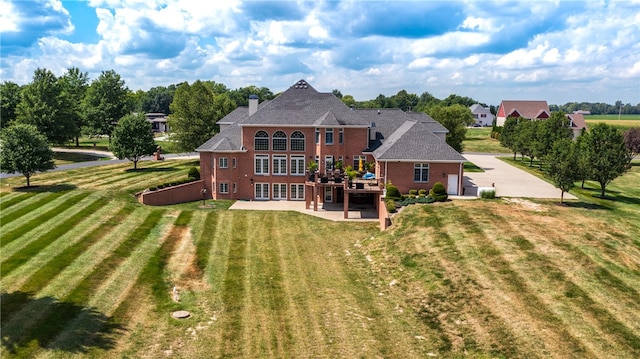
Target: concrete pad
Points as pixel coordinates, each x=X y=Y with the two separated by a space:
x=509 y=181
x=329 y=211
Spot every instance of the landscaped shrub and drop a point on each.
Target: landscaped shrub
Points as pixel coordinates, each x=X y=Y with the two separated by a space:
x=390 y=204
x=393 y=192
x=488 y=194
x=413 y=192
x=194 y=174
x=422 y=192
x=439 y=192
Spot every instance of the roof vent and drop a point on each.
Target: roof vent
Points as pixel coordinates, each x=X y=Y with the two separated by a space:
x=378 y=112
x=352 y=107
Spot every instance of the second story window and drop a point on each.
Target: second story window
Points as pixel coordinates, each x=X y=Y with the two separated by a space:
x=317 y=136
x=261 y=141
x=223 y=162
x=328 y=136
x=279 y=141
x=341 y=136
x=297 y=141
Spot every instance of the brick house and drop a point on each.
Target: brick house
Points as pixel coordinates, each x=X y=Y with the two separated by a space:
x=262 y=151
x=533 y=110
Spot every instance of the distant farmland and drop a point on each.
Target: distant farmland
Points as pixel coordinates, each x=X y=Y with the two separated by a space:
x=88 y=272
x=625 y=121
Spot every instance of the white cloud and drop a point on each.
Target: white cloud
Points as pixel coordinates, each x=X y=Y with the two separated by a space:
x=8 y=19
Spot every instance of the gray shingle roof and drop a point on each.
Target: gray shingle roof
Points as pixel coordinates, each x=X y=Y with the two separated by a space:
x=402 y=136
x=413 y=141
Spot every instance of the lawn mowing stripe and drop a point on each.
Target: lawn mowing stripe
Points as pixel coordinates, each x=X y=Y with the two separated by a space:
x=16 y=233
x=234 y=289
x=8 y=202
x=36 y=245
x=82 y=291
x=306 y=325
x=54 y=318
x=6 y=218
x=203 y=242
x=267 y=283
x=63 y=283
x=546 y=269
x=48 y=264
x=117 y=288
x=57 y=264
x=499 y=269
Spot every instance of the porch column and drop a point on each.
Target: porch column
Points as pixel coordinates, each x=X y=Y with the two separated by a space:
x=315 y=197
x=346 y=204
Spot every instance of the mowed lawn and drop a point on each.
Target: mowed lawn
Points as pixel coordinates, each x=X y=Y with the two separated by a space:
x=88 y=272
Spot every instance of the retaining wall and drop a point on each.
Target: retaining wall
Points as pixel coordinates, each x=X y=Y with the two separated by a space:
x=187 y=192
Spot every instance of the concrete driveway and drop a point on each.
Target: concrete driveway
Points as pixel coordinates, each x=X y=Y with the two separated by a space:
x=509 y=181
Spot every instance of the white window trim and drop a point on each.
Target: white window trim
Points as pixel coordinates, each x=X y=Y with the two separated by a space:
x=223 y=162
x=422 y=168
x=264 y=159
x=224 y=187
x=282 y=159
x=293 y=169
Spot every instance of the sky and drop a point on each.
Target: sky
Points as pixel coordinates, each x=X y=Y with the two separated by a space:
x=558 y=51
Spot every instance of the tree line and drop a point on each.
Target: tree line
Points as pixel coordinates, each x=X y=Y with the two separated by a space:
x=601 y=154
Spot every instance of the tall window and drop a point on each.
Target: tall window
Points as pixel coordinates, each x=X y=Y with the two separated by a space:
x=224 y=187
x=223 y=162
x=279 y=141
x=317 y=136
x=297 y=191
x=261 y=141
x=421 y=172
x=262 y=164
x=297 y=165
x=279 y=164
x=328 y=136
x=341 y=136
x=233 y=162
x=261 y=190
x=279 y=191
x=297 y=141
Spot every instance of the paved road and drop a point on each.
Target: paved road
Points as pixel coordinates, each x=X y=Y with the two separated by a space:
x=509 y=181
x=69 y=166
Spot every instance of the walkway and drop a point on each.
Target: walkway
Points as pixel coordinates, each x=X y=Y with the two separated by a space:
x=330 y=211
x=509 y=181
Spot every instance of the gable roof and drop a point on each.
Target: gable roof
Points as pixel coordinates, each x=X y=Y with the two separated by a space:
x=526 y=109
x=477 y=108
x=577 y=121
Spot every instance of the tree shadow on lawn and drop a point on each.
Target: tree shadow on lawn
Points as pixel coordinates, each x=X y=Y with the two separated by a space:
x=96 y=330
x=151 y=170
x=585 y=205
x=61 y=187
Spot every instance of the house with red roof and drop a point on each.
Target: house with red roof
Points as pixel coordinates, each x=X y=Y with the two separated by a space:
x=576 y=123
x=533 y=110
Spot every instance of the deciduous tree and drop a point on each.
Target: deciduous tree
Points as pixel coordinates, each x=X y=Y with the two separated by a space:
x=24 y=150
x=106 y=102
x=132 y=139
x=43 y=105
x=455 y=118
x=606 y=153
x=563 y=165
x=73 y=85
x=632 y=140
x=196 y=111
x=10 y=95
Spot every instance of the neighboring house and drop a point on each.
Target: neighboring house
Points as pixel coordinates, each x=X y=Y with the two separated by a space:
x=577 y=123
x=533 y=110
x=482 y=115
x=262 y=152
x=158 y=121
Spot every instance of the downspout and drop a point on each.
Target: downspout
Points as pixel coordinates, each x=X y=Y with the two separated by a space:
x=460 y=180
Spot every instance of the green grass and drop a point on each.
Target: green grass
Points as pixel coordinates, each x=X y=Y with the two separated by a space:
x=61 y=158
x=88 y=272
x=478 y=139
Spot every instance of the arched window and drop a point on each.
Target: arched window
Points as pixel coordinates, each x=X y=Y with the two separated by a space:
x=261 y=141
x=297 y=141
x=279 y=141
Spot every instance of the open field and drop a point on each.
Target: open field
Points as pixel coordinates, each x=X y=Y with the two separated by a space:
x=478 y=139
x=88 y=272
x=625 y=121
